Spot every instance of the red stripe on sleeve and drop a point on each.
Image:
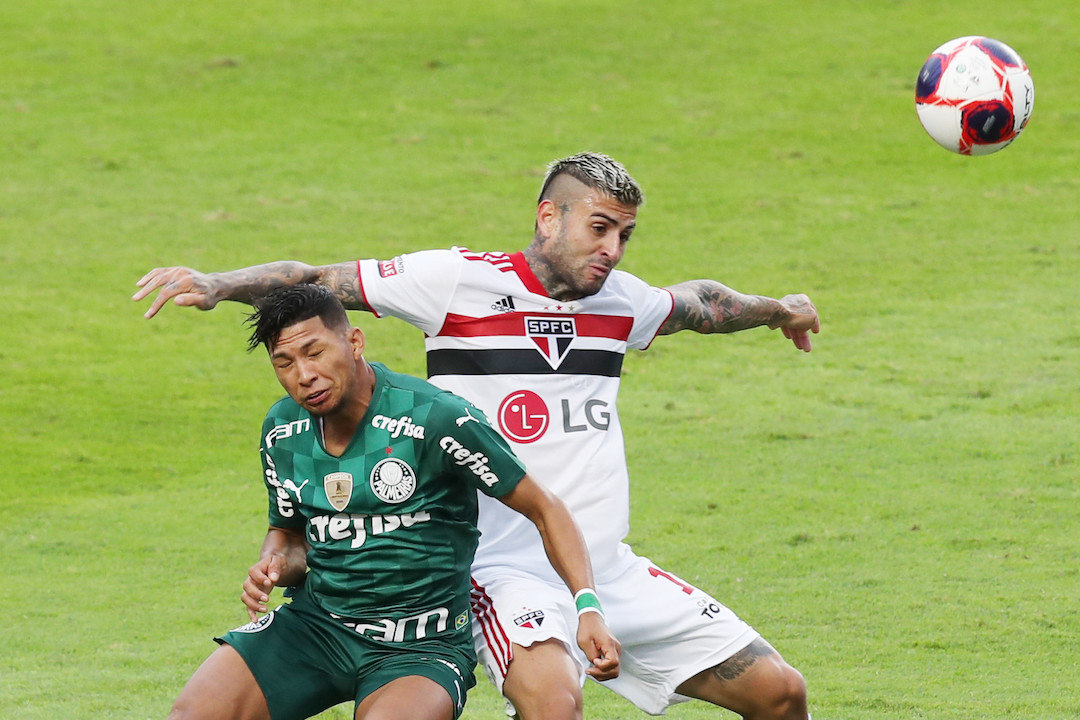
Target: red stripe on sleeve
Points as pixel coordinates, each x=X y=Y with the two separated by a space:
x=666 y=318
x=363 y=295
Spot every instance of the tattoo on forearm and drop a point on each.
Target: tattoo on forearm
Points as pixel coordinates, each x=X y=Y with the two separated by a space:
x=741 y=661
x=345 y=283
x=707 y=306
x=248 y=284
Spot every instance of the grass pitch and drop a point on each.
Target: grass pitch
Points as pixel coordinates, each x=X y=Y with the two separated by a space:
x=896 y=512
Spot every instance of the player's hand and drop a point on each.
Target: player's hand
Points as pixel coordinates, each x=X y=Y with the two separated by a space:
x=599 y=645
x=261 y=579
x=182 y=285
x=802 y=319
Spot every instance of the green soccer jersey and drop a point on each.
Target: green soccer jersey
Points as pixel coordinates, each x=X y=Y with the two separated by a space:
x=392 y=521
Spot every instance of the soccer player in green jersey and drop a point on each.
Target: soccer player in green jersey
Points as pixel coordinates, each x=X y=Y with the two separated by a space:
x=371 y=478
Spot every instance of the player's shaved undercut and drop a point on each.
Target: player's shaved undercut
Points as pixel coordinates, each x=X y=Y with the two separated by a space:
x=597 y=171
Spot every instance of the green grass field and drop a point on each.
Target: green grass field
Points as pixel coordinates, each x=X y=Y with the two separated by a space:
x=897 y=512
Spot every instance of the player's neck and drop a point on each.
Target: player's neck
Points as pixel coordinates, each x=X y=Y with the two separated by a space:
x=544 y=271
x=339 y=427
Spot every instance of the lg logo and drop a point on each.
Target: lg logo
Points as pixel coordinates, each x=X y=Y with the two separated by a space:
x=524 y=416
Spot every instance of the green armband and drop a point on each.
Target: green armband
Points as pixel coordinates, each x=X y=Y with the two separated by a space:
x=586 y=601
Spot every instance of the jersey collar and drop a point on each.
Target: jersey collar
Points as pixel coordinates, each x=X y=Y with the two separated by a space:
x=521 y=267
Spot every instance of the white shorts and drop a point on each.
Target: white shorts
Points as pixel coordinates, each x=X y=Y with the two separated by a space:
x=669 y=630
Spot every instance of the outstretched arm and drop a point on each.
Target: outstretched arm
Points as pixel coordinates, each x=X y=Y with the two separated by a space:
x=707 y=306
x=185 y=286
x=565 y=547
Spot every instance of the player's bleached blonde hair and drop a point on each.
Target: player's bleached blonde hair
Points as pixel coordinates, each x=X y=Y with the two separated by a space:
x=598 y=171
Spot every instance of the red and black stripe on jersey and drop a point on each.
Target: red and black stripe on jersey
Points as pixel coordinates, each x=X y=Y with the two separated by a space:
x=527 y=361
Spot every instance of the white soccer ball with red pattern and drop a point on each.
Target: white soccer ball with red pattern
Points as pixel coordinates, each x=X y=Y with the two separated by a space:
x=974 y=95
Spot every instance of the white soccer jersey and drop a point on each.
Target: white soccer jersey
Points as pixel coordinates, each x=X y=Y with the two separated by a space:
x=545 y=372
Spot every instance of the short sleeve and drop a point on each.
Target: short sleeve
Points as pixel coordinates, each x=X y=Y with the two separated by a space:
x=471 y=449
x=283 y=506
x=651 y=306
x=415 y=287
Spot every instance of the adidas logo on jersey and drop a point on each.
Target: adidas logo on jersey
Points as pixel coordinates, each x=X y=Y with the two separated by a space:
x=504 y=305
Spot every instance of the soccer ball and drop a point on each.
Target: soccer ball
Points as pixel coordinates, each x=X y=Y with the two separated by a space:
x=974 y=95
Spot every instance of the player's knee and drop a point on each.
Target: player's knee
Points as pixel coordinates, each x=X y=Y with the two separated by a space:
x=544 y=695
x=193 y=705
x=543 y=683
x=181 y=711
x=785 y=698
x=556 y=703
x=771 y=690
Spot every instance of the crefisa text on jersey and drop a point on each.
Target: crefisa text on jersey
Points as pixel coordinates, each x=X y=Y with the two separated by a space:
x=395 y=426
x=398 y=426
x=475 y=461
x=344 y=526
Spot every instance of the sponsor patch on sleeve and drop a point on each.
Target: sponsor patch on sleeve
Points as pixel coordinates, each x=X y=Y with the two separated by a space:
x=394 y=266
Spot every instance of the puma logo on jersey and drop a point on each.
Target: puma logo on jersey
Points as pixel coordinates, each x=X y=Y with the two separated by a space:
x=552 y=337
x=285 y=504
x=467 y=417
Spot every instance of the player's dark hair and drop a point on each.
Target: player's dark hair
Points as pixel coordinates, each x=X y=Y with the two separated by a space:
x=599 y=172
x=287 y=306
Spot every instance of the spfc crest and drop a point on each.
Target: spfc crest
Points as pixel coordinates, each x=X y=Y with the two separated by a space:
x=552 y=337
x=531 y=620
x=392 y=480
x=338 y=487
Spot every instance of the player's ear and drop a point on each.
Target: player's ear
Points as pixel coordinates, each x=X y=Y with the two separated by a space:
x=546 y=217
x=356 y=339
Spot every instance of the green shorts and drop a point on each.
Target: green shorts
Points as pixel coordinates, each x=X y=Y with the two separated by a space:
x=305 y=661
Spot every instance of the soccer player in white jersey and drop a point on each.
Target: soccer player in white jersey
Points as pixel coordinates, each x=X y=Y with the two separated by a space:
x=536 y=340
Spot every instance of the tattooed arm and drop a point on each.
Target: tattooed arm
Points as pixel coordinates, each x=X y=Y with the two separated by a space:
x=205 y=290
x=706 y=306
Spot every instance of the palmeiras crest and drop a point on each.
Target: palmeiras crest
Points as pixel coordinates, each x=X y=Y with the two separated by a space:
x=392 y=480
x=338 y=487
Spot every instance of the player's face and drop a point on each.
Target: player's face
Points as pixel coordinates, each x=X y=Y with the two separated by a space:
x=317 y=365
x=586 y=242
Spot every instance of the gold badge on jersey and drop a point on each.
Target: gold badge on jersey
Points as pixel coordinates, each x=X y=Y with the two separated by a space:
x=338 y=487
